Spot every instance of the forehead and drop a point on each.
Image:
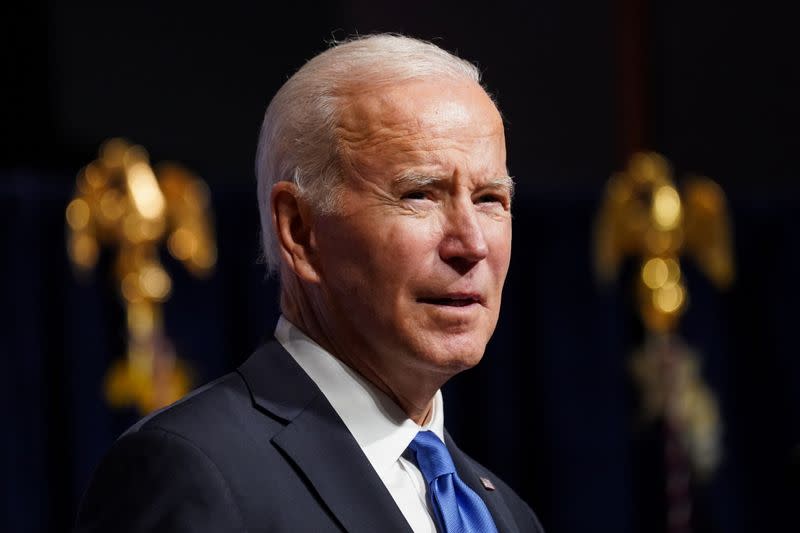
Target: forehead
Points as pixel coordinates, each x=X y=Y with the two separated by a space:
x=422 y=122
x=433 y=105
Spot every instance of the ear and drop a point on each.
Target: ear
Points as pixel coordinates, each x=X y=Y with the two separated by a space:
x=292 y=223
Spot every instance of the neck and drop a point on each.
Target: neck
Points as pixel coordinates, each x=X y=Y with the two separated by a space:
x=410 y=389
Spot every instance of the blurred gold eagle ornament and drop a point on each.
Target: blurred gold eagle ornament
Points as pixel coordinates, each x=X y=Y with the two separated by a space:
x=645 y=216
x=121 y=202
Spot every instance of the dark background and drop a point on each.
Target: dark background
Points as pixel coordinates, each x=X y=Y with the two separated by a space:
x=551 y=409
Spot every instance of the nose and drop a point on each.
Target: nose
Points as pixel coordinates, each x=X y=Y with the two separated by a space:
x=463 y=241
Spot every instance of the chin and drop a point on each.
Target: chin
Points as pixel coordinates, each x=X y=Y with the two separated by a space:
x=454 y=355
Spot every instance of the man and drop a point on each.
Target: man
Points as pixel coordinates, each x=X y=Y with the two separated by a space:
x=385 y=206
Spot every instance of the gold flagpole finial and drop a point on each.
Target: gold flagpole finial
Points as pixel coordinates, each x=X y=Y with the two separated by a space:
x=644 y=215
x=122 y=203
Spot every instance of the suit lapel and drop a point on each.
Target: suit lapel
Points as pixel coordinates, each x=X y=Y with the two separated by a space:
x=332 y=460
x=493 y=499
x=319 y=444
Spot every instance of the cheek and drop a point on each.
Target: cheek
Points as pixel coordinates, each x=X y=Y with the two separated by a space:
x=499 y=237
x=409 y=249
x=377 y=259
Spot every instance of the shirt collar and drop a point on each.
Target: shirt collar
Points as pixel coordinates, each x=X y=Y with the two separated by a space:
x=381 y=428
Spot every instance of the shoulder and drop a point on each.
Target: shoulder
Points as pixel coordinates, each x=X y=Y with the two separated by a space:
x=213 y=417
x=156 y=480
x=215 y=402
x=142 y=482
x=209 y=462
x=218 y=421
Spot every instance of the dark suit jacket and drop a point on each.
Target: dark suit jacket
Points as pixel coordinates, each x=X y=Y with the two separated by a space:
x=260 y=449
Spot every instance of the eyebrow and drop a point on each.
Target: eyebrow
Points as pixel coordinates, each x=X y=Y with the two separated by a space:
x=503 y=182
x=416 y=179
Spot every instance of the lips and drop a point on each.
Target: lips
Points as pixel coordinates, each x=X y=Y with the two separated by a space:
x=452 y=300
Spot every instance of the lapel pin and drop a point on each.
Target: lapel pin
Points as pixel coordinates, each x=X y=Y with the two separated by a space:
x=487 y=484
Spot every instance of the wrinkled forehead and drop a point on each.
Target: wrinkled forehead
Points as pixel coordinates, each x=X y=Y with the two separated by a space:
x=419 y=105
x=440 y=129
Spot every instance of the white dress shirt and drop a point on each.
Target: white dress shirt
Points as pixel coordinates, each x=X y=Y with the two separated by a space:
x=381 y=428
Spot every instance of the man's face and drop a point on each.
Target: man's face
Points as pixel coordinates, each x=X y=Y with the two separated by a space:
x=412 y=266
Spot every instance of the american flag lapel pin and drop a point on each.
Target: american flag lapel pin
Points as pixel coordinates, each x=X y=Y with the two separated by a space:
x=487 y=483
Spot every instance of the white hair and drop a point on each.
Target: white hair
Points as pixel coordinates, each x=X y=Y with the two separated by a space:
x=298 y=141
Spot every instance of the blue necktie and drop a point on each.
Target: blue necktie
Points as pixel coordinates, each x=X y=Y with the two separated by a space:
x=456 y=507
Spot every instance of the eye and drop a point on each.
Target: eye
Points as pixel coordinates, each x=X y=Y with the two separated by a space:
x=490 y=198
x=415 y=195
x=493 y=201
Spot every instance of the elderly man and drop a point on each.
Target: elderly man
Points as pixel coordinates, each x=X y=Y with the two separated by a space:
x=386 y=210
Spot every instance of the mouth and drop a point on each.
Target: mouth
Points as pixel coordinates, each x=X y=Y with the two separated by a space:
x=452 y=300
